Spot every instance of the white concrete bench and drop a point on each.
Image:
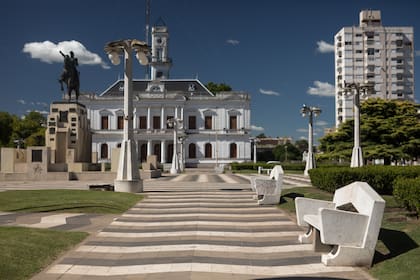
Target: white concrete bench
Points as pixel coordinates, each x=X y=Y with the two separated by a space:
x=349 y=236
x=268 y=188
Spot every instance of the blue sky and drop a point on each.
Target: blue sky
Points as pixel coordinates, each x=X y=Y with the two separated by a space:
x=278 y=51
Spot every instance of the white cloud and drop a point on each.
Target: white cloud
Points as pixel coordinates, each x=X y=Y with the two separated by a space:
x=21 y=101
x=42 y=112
x=48 y=52
x=302 y=130
x=321 y=123
x=324 y=47
x=269 y=92
x=322 y=89
x=257 y=128
x=232 y=42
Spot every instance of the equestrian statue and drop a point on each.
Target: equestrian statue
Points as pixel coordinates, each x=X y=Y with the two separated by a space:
x=70 y=75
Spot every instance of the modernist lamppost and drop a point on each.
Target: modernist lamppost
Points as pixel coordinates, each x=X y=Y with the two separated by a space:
x=311 y=112
x=128 y=177
x=357 y=89
x=175 y=123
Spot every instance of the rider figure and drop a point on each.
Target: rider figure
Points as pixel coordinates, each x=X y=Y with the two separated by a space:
x=70 y=63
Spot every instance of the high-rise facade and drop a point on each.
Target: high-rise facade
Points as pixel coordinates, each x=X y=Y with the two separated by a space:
x=373 y=53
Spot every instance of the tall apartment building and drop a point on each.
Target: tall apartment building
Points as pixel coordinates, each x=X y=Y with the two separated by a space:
x=374 y=53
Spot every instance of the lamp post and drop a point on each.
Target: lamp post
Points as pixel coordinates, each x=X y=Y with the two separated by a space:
x=128 y=177
x=311 y=112
x=175 y=123
x=357 y=89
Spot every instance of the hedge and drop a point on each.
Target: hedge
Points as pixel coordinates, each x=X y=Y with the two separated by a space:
x=407 y=193
x=254 y=166
x=381 y=178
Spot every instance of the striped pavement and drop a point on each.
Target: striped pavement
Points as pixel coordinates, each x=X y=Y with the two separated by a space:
x=196 y=232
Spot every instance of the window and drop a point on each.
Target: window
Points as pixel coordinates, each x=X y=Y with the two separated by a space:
x=207 y=150
x=233 y=122
x=104 y=122
x=208 y=122
x=142 y=122
x=192 y=122
x=192 y=150
x=233 y=150
x=104 y=151
x=36 y=155
x=63 y=116
x=370 y=51
x=156 y=122
x=120 y=122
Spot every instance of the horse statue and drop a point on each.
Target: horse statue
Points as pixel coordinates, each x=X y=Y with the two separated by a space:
x=70 y=75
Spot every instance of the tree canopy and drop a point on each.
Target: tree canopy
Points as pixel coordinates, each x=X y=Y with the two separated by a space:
x=389 y=130
x=215 y=88
x=29 y=128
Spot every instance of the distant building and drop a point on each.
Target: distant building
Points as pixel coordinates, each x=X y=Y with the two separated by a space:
x=215 y=126
x=372 y=52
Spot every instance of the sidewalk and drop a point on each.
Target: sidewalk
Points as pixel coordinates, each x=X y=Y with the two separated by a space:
x=200 y=231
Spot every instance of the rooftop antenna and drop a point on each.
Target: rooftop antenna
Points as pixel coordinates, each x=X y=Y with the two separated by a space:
x=146 y=37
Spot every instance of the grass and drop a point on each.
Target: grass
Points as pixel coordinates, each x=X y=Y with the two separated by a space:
x=70 y=201
x=26 y=251
x=397 y=251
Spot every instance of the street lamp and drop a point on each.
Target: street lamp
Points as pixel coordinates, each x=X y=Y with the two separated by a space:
x=175 y=123
x=357 y=89
x=311 y=112
x=128 y=177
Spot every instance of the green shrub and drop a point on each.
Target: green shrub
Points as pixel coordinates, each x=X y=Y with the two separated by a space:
x=407 y=193
x=381 y=178
x=254 y=166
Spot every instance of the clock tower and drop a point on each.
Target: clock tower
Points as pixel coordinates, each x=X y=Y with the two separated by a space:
x=160 y=63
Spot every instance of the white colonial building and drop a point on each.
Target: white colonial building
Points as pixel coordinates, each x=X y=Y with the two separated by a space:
x=373 y=53
x=213 y=128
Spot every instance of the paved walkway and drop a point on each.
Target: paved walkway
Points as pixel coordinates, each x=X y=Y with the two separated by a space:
x=196 y=231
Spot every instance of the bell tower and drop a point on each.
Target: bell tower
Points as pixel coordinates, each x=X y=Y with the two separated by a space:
x=160 y=63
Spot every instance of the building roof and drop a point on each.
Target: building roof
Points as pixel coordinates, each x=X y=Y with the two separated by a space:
x=191 y=86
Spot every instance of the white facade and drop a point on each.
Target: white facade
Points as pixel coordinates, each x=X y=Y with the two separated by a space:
x=371 y=52
x=215 y=127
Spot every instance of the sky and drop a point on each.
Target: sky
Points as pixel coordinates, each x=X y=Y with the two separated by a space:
x=280 y=52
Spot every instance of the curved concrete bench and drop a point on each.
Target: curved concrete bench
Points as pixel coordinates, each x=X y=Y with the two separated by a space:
x=349 y=235
x=268 y=188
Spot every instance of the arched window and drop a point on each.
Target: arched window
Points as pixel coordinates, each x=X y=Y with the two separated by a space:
x=233 y=150
x=191 y=150
x=207 y=150
x=104 y=151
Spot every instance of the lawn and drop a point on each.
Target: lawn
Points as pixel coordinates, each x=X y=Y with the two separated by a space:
x=397 y=251
x=70 y=201
x=26 y=251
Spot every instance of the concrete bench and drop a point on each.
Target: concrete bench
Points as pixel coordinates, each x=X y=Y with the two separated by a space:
x=268 y=188
x=348 y=227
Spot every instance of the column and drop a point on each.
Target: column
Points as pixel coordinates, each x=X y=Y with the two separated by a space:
x=163 y=151
x=182 y=114
x=135 y=119
x=149 y=147
x=162 y=118
x=149 y=118
x=176 y=112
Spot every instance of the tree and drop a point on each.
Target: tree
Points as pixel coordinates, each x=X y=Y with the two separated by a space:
x=301 y=145
x=287 y=152
x=390 y=130
x=6 y=128
x=30 y=128
x=216 y=88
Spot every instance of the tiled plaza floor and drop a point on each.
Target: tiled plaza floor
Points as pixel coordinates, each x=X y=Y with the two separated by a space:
x=197 y=230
